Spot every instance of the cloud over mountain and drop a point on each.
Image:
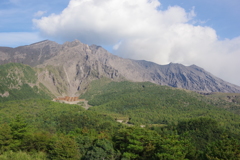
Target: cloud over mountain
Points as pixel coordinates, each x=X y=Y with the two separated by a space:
x=142 y=30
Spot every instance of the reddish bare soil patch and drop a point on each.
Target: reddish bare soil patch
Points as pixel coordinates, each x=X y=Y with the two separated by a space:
x=69 y=99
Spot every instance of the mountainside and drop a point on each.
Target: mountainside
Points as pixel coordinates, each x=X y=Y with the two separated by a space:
x=156 y=121
x=69 y=68
x=18 y=81
x=148 y=103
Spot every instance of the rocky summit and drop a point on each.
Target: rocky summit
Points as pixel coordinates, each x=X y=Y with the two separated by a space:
x=69 y=68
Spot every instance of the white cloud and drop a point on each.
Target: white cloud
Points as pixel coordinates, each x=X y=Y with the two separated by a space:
x=15 y=39
x=39 y=13
x=139 y=30
x=116 y=46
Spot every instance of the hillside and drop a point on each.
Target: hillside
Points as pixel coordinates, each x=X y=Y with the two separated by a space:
x=147 y=103
x=45 y=115
x=67 y=69
x=19 y=82
x=160 y=117
x=175 y=123
x=228 y=101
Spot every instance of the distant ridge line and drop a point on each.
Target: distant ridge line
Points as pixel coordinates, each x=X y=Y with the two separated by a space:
x=40 y=42
x=71 y=67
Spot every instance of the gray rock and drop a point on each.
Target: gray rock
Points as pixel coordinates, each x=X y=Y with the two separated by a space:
x=68 y=69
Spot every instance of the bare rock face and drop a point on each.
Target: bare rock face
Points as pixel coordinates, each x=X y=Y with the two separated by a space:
x=75 y=66
x=187 y=77
x=32 y=55
x=68 y=69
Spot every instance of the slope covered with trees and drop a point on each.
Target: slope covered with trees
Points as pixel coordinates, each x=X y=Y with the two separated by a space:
x=175 y=124
x=146 y=103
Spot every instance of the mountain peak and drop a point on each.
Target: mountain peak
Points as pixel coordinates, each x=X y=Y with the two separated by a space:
x=73 y=43
x=43 y=43
x=74 y=65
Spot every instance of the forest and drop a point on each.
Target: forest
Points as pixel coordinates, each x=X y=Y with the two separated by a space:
x=127 y=121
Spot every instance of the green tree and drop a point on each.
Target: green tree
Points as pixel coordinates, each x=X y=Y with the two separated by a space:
x=136 y=143
x=200 y=131
x=65 y=147
x=10 y=155
x=102 y=149
x=224 y=149
x=172 y=148
x=36 y=142
x=5 y=137
x=19 y=131
x=84 y=143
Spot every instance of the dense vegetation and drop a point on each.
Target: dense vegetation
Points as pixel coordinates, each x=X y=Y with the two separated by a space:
x=49 y=130
x=228 y=101
x=176 y=124
x=147 y=103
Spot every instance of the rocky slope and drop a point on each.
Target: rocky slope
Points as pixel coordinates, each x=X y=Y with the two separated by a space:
x=18 y=81
x=68 y=69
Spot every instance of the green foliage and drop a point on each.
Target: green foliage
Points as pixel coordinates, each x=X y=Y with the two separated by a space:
x=10 y=155
x=18 y=131
x=147 y=103
x=84 y=143
x=33 y=126
x=13 y=73
x=229 y=101
x=173 y=148
x=15 y=81
x=101 y=149
x=38 y=113
x=37 y=142
x=199 y=124
x=179 y=125
x=205 y=138
x=69 y=121
x=62 y=131
x=136 y=143
x=64 y=147
x=225 y=148
x=201 y=131
x=5 y=137
x=25 y=92
x=187 y=122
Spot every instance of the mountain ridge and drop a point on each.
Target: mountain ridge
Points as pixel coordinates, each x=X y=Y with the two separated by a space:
x=68 y=68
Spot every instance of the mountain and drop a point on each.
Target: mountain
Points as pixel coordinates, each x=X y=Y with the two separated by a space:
x=18 y=82
x=155 y=120
x=69 y=68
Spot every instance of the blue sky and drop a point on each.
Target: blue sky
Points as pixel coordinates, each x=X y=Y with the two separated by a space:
x=222 y=15
x=16 y=19
x=201 y=32
x=17 y=15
